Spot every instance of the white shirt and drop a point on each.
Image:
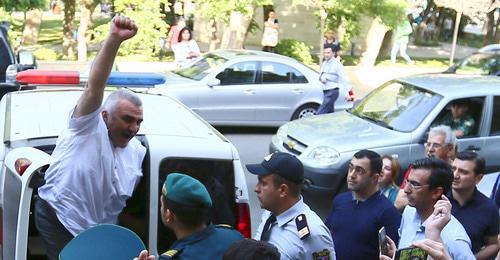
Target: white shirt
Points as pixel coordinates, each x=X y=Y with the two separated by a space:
x=181 y=50
x=90 y=180
x=453 y=234
x=332 y=71
x=285 y=236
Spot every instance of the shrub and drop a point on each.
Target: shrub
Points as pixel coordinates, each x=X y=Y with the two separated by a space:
x=296 y=49
x=45 y=54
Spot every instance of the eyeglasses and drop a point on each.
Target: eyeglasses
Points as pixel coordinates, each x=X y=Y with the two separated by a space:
x=356 y=169
x=433 y=145
x=414 y=185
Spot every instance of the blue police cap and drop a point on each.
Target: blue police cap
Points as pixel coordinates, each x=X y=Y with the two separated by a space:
x=282 y=164
x=186 y=190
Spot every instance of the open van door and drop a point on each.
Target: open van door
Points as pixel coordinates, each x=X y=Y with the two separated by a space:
x=24 y=173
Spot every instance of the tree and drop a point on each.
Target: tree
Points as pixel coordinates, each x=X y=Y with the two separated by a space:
x=86 y=10
x=32 y=16
x=150 y=21
x=475 y=9
x=235 y=14
x=69 y=16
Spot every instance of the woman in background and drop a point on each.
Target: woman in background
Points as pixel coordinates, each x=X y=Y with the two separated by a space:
x=186 y=50
x=270 y=35
x=390 y=169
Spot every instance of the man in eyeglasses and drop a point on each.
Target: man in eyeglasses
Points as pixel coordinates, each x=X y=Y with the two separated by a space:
x=429 y=179
x=441 y=143
x=356 y=216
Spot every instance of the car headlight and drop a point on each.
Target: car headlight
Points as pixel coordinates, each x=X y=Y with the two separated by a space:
x=282 y=132
x=324 y=155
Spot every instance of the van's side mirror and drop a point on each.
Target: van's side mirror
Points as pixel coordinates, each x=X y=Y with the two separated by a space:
x=213 y=82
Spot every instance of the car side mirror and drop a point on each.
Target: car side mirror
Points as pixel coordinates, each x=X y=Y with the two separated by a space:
x=213 y=82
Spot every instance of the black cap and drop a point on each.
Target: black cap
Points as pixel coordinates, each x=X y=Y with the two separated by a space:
x=282 y=164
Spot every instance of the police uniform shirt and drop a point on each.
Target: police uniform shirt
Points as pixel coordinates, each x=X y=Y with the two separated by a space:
x=210 y=243
x=299 y=221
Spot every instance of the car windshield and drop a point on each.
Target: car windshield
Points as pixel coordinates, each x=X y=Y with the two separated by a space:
x=478 y=64
x=202 y=67
x=397 y=106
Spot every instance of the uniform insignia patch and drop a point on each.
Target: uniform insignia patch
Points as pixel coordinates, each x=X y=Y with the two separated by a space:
x=267 y=158
x=224 y=226
x=170 y=253
x=322 y=255
x=302 y=227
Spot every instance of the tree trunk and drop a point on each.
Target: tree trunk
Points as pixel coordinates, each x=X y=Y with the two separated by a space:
x=490 y=29
x=322 y=22
x=214 y=40
x=86 y=10
x=32 y=22
x=234 y=34
x=455 y=36
x=374 y=40
x=69 y=16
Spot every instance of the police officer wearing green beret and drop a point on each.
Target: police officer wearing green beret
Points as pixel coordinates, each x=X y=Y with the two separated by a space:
x=185 y=204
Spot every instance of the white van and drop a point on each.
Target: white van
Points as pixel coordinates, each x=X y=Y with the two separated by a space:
x=177 y=140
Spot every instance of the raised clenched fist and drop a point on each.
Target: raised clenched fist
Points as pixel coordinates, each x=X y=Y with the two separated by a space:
x=122 y=27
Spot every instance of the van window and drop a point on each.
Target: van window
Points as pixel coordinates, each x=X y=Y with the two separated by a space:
x=218 y=178
x=463 y=116
x=495 y=120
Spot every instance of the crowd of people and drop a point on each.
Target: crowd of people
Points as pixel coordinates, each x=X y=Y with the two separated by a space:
x=442 y=211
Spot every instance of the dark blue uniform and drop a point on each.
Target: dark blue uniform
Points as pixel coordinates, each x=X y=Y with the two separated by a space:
x=210 y=243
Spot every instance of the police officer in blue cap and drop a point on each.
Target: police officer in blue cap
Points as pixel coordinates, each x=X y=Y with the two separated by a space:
x=185 y=205
x=288 y=223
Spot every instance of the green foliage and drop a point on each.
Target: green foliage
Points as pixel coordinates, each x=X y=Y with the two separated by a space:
x=220 y=10
x=150 y=22
x=45 y=54
x=22 y=5
x=296 y=49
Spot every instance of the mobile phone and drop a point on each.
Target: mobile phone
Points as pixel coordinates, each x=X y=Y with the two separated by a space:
x=410 y=253
x=382 y=242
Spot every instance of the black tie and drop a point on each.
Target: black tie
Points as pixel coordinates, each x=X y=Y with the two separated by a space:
x=266 y=232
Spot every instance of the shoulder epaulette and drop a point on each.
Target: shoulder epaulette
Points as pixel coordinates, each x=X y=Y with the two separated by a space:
x=224 y=226
x=170 y=253
x=302 y=227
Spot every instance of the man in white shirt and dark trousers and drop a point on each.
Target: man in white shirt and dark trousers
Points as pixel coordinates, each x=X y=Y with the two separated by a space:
x=97 y=159
x=334 y=81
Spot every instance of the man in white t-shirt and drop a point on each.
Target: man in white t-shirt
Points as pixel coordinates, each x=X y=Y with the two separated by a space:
x=97 y=159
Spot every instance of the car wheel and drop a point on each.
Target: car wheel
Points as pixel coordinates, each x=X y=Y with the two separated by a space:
x=305 y=111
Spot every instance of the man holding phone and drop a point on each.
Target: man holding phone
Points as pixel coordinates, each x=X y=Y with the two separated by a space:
x=429 y=179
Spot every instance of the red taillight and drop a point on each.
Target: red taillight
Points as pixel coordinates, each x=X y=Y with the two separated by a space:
x=48 y=77
x=243 y=224
x=21 y=165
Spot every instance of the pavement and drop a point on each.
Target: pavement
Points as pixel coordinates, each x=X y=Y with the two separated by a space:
x=362 y=79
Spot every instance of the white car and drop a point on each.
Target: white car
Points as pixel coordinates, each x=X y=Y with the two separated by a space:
x=243 y=87
x=177 y=140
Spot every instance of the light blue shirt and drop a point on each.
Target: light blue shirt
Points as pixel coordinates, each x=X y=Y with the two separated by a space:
x=453 y=235
x=332 y=71
x=285 y=236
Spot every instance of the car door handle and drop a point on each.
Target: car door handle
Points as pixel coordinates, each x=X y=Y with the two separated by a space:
x=473 y=148
x=298 y=90
x=249 y=91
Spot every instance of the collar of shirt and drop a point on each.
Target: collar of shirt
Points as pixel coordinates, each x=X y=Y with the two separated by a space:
x=471 y=202
x=417 y=222
x=193 y=238
x=373 y=196
x=290 y=213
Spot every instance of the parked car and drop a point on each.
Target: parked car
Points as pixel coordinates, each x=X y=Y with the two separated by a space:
x=177 y=140
x=10 y=62
x=243 y=87
x=486 y=62
x=393 y=119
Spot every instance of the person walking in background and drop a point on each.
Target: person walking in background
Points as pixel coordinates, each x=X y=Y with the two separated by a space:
x=186 y=50
x=185 y=205
x=270 y=35
x=97 y=159
x=333 y=43
x=390 y=169
x=287 y=222
x=334 y=80
x=401 y=39
x=173 y=33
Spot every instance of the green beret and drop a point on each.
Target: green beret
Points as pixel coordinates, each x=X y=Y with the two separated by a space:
x=186 y=190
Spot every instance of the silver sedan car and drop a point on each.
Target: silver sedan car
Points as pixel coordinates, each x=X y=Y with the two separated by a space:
x=243 y=87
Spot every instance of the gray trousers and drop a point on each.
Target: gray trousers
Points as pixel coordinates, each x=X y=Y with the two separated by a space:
x=328 y=105
x=54 y=235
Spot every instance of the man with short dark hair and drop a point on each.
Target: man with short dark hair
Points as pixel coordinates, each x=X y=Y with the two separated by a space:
x=185 y=204
x=429 y=179
x=287 y=222
x=250 y=249
x=459 y=120
x=477 y=213
x=356 y=216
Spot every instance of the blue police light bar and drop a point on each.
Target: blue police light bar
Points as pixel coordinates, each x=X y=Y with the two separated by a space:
x=135 y=79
